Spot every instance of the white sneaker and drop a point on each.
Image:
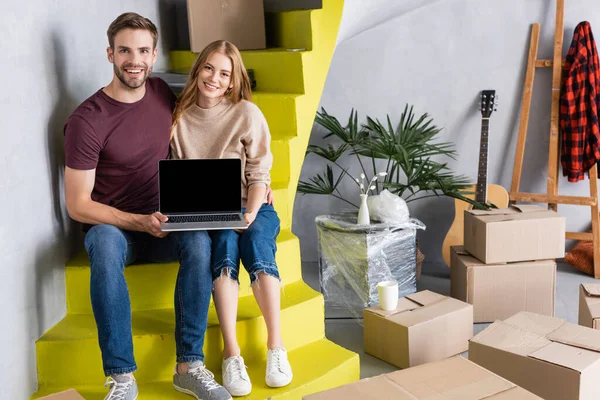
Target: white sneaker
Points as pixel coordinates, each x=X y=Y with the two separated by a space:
x=279 y=371
x=235 y=378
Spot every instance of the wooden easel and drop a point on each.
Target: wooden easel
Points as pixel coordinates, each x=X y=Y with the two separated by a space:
x=552 y=198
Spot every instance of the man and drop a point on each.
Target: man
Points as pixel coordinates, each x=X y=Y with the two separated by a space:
x=113 y=142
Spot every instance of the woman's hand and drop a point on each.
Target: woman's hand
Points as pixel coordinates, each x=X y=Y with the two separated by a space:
x=249 y=217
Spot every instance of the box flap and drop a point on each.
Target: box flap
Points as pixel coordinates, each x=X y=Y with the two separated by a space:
x=516 y=209
x=536 y=323
x=591 y=289
x=454 y=378
x=528 y=208
x=513 y=339
x=70 y=394
x=566 y=356
x=577 y=336
x=426 y=297
x=404 y=304
x=379 y=387
x=423 y=314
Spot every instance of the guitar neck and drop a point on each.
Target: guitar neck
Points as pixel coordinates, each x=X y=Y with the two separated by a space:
x=481 y=192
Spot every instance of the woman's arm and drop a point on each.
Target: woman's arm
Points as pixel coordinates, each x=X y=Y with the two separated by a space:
x=256 y=198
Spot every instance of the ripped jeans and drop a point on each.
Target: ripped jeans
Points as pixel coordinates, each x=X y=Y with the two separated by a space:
x=256 y=247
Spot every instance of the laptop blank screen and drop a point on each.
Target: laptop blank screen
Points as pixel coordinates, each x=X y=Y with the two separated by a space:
x=200 y=186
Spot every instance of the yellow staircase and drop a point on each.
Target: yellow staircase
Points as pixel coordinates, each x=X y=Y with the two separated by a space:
x=288 y=92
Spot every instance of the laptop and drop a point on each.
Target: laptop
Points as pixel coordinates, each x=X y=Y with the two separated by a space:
x=201 y=194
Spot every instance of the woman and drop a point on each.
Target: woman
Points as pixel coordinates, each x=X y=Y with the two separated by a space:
x=215 y=118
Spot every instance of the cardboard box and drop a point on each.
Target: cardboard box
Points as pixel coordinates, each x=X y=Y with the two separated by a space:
x=454 y=378
x=589 y=305
x=70 y=394
x=242 y=22
x=518 y=233
x=498 y=291
x=547 y=356
x=425 y=327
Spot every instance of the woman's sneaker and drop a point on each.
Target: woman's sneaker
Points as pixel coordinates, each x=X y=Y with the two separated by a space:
x=235 y=377
x=200 y=383
x=279 y=371
x=121 y=388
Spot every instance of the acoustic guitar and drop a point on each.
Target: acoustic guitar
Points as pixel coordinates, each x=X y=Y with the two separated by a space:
x=484 y=193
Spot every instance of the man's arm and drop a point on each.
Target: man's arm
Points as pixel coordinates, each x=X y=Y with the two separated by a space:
x=78 y=194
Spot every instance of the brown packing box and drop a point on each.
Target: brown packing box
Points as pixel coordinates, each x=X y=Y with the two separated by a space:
x=518 y=233
x=424 y=327
x=241 y=22
x=547 y=356
x=498 y=291
x=70 y=394
x=454 y=378
x=589 y=305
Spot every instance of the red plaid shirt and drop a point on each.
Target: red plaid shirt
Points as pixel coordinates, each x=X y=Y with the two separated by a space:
x=579 y=101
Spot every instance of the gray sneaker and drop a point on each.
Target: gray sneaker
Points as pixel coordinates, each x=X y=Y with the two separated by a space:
x=121 y=388
x=200 y=383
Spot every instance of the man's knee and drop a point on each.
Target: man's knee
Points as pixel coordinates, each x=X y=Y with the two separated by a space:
x=104 y=243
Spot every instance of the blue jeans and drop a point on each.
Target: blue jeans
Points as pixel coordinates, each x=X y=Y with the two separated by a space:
x=110 y=249
x=255 y=246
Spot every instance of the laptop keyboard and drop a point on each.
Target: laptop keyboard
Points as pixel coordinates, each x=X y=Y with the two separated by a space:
x=204 y=218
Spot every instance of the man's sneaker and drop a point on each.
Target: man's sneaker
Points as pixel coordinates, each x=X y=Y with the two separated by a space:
x=279 y=371
x=200 y=383
x=121 y=388
x=235 y=378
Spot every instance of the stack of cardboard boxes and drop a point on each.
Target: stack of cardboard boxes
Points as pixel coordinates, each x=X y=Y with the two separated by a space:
x=505 y=267
x=507 y=263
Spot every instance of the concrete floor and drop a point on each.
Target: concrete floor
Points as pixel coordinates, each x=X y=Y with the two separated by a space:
x=349 y=334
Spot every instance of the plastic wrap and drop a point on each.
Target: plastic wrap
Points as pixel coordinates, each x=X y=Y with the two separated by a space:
x=354 y=258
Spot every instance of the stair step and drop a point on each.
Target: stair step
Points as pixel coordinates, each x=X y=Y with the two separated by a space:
x=283 y=157
x=151 y=286
x=69 y=353
x=275 y=69
x=290 y=29
x=336 y=366
x=284 y=112
x=283 y=201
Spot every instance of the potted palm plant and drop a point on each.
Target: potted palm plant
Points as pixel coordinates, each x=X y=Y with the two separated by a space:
x=406 y=159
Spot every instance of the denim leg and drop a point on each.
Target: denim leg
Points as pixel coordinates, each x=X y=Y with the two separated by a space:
x=192 y=294
x=258 y=244
x=110 y=249
x=225 y=254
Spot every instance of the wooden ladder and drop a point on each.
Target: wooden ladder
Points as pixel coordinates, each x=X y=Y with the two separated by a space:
x=552 y=198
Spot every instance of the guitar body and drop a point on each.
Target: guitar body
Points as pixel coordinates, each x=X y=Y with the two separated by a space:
x=496 y=195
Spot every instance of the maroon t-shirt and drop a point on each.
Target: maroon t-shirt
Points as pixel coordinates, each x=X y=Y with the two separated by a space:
x=123 y=142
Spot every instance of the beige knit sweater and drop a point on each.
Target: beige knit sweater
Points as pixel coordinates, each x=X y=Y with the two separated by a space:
x=227 y=131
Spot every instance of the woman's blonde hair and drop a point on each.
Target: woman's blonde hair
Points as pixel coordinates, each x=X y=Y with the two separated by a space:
x=240 y=82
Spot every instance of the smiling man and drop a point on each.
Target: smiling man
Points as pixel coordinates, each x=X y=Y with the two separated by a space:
x=113 y=142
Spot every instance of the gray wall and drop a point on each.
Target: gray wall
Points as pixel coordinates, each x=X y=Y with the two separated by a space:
x=53 y=58
x=438 y=56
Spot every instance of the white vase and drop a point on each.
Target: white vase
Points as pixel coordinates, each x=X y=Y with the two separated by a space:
x=363 y=211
